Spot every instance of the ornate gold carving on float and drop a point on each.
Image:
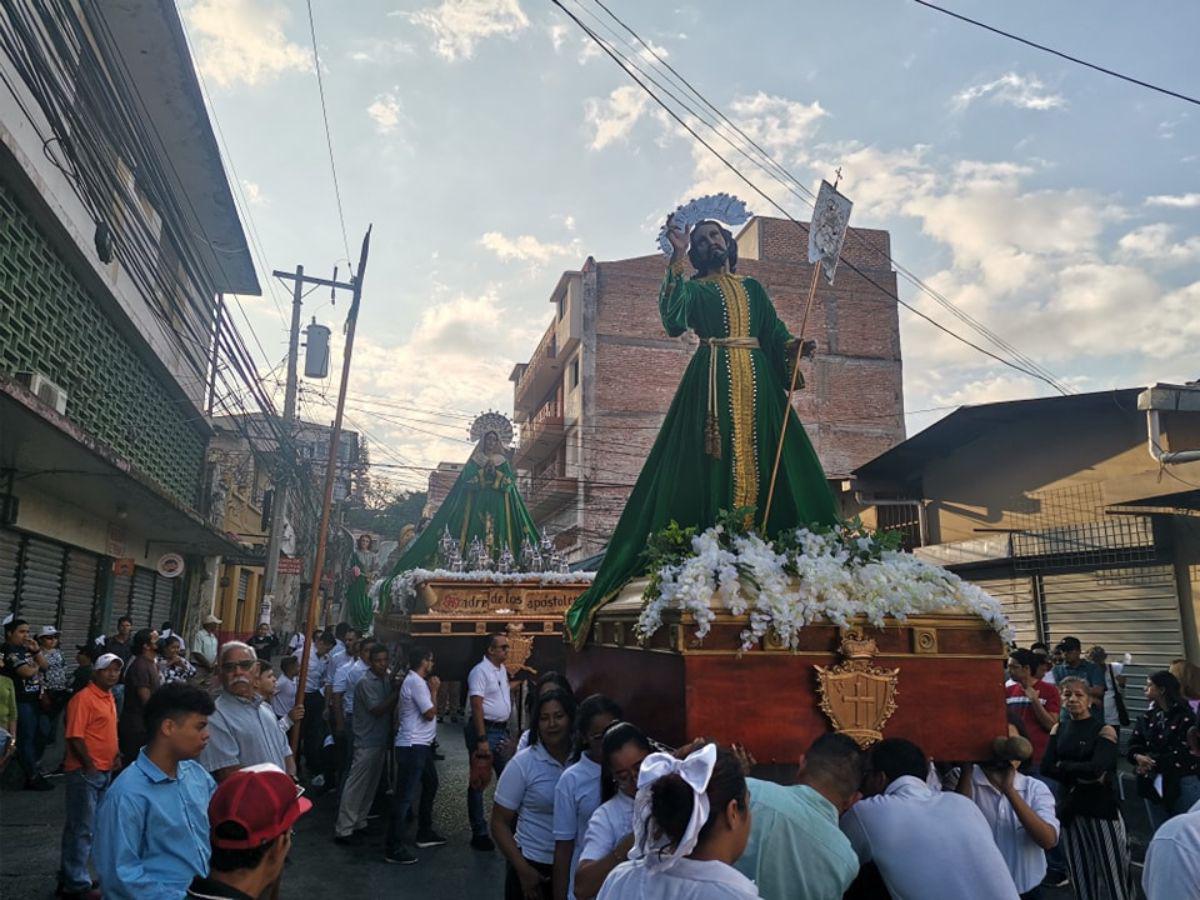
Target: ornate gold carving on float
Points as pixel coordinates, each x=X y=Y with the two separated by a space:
x=858 y=697
x=520 y=646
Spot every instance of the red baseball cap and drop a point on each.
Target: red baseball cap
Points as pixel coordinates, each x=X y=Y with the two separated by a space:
x=262 y=799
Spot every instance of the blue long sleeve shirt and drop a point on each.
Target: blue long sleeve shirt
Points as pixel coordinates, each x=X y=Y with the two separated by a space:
x=152 y=831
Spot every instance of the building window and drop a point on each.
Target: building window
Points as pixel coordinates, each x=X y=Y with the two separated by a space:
x=562 y=307
x=575 y=373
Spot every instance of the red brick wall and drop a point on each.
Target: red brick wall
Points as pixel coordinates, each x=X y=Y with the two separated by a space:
x=440 y=482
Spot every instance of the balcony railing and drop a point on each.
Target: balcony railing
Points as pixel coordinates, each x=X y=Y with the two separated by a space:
x=543 y=370
x=549 y=493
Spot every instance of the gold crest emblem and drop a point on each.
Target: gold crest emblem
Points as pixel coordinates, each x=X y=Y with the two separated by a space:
x=857 y=697
x=520 y=646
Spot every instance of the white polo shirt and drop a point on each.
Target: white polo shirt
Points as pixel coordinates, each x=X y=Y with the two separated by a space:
x=415 y=730
x=1173 y=859
x=1026 y=860
x=345 y=680
x=527 y=787
x=687 y=879
x=928 y=845
x=610 y=824
x=491 y=683
x=576 y=797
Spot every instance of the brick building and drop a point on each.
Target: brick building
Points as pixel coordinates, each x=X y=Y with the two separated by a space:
x=591 y=398
x=441 y=480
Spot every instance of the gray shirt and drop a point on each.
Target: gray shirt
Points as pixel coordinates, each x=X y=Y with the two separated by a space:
x=369 y=730
x=243 y=733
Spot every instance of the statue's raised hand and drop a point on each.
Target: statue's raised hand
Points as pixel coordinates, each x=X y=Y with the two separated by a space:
x=678 y=237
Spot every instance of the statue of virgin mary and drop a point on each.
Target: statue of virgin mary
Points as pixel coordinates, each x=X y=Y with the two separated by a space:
x=483 y=504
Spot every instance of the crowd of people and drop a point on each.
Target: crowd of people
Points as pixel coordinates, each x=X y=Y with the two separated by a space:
x=164 y=747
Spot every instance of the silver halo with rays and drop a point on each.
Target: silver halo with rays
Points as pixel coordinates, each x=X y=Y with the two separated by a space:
x=493 y=421
x=724 y=208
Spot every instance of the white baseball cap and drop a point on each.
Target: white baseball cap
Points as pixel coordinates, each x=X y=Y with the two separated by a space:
x=106 y=660
x=49 y=631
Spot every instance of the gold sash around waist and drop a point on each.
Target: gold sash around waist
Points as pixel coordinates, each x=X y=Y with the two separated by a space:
x=712 y=430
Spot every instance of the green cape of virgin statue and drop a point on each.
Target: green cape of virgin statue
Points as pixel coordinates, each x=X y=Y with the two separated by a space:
x=717 y=445
x=484 y=503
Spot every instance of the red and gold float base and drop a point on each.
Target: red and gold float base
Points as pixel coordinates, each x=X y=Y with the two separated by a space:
x=934 y=679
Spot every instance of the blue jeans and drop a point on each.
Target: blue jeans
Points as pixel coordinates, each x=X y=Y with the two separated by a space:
x=84 y=793
x=27 y=726
x=415 y=770
x=495 y=736
x=1189 y=794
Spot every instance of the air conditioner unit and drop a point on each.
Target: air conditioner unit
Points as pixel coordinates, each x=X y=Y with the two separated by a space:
x=45 y=390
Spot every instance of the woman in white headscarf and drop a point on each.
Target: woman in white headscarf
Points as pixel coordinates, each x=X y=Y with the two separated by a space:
x=691 y=823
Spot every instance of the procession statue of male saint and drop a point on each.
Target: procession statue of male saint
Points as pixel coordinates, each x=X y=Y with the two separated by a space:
x=717 y=445
x=483 y=503
x=363 y=562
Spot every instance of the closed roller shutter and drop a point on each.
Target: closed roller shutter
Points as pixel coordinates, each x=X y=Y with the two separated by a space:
x=78 y=600
x=120 y=603
x=1133 y=611
x=1016 y=596
x=164 y=593
x=142 y=601
x=41 y=583
x=10 y=545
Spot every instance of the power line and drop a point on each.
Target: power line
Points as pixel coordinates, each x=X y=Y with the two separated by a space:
x=337 y=190
x=1058 y=53
x=766 y=163
x=770 y=200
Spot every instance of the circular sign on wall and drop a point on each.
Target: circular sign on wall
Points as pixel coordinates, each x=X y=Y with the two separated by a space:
x=170 y=565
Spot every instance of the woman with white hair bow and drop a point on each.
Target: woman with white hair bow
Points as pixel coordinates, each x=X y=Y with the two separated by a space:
x=691 y=822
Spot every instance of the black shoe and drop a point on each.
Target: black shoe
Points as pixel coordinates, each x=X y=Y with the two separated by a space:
x=1056 y=880
x=38 y=784
x=438 y=756
x=482 y=842
x=403 y=856
x=429 y=839
x=349 y=840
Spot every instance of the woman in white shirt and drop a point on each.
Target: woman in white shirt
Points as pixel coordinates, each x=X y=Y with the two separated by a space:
x=547 y=681
x=578 y=792
x=609 y=835
x=525 y=792
x=691 y=823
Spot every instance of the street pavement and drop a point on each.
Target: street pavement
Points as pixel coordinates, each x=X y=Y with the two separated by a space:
x=31 y=828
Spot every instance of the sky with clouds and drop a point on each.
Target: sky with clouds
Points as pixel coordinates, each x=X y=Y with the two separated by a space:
x=493 y=146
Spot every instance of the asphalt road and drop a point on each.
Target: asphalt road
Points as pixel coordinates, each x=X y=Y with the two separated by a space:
x=31 y=828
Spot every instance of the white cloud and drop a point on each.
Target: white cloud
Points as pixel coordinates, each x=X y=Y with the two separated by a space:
x=1155 y=243
x=1011 y=89
x=385 y=113
x=459 y=25
x=558 y=36
x=380 y=51
x=612 y=119
x=527 y=248
x=243 y=41
x=1177 y=201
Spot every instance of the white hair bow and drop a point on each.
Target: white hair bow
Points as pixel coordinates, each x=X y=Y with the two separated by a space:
x=648 y=840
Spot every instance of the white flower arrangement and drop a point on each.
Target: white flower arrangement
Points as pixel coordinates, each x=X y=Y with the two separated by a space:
x=800 y=578
x=404 y=586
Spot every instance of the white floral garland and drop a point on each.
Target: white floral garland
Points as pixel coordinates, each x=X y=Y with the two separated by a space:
x=404 y=587
x=834 y=584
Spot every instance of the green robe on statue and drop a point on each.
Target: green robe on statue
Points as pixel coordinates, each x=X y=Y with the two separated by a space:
x=359 y=609
x=743 y=353
x=484 y=503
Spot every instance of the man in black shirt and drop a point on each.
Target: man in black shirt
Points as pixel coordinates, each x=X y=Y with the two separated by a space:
x=23 y=663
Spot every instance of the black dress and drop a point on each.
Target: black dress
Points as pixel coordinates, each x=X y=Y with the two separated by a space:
x=1093 y=833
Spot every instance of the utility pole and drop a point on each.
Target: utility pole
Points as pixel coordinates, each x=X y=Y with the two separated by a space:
x=280 y=502
x=331 y=470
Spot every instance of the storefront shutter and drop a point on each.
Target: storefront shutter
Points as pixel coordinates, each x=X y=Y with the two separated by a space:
x=120 y=604
x=1016 y=596
x=1131 y=610
x=41 y=583
x=78 y=599
x=142 y=602
x=10 y=546
x=164 y=592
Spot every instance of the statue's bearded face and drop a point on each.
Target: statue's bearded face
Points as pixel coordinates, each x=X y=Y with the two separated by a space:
x=708 y=242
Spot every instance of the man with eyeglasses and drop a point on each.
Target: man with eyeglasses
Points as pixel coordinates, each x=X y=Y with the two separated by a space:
x=487 y=726
x=242 y=731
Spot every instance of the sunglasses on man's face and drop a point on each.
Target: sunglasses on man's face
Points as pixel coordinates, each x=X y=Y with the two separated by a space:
x=244 y=665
